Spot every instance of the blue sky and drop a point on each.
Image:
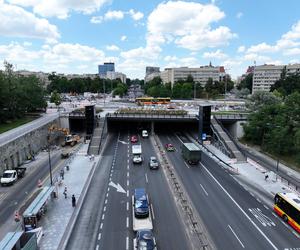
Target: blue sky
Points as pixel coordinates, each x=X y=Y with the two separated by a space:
x=75 y=36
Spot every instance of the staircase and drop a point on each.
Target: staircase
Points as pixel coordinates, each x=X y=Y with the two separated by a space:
x=230 y=145
x=95 y=143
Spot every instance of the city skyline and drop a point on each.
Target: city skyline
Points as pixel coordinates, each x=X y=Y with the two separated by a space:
x=69 y=37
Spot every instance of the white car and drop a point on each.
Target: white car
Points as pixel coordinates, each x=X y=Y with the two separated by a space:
x=144 y=134
x=137 y=159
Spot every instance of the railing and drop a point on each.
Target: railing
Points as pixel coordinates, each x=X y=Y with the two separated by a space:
x=238 y=116
x=102 y=132
x=118 y=115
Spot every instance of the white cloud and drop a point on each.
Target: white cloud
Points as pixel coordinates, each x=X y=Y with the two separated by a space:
x=61 y=57
x=136 y=15
x=61 y=8
x=123 y=38
x=114 y=15
x=188 y=24
x=256 y=57
x=17 y=22
x=262 y=47
x=218 y=54
x=239 y=15
x=292 y=52
x=170 y=58
x=112 y=47
x=241 y=49
x=96 y=19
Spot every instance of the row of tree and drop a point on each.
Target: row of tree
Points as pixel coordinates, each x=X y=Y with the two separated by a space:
x=187 y=89
x=19 y=94
x=85 y=84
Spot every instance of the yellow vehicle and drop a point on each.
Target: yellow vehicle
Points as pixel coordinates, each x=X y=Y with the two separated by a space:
x=71 y=140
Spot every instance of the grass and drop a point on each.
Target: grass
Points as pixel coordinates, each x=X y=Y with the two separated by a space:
x=15 y=123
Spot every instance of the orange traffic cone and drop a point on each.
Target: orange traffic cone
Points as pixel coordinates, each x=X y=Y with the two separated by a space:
x=40 y=184
x=17 y=216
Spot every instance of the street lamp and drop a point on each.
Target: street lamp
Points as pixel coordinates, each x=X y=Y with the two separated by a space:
x=49 y=158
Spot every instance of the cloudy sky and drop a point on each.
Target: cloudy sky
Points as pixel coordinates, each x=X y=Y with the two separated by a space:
x=74 y=36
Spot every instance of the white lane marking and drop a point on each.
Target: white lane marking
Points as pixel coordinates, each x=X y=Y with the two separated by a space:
x=266 y=207
x=104 y=209
x=99 y=236
x=127 y=174
x=127 y=192
x=103 y=215
x=127 y=222
x=97 y=247
x=127 y=166
x=246 y=215
x=258 y=200
x=127 y=183
x=107 y=195
x=112 y=171
x=236 y=236
x=108 y=189
x=146 y=178
x=127 y=243
x=105 y=202
x=152 y=211
x=251 y=194
x=127 y=206
x=204 y=190
x=101 y=225
x=297 y=235
x=274 y=214
x=128 y=161
x=188 y=166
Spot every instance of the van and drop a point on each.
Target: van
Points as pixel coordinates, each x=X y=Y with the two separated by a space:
x=144 y=134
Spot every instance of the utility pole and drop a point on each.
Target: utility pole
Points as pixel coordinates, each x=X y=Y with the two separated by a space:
x=49 y=159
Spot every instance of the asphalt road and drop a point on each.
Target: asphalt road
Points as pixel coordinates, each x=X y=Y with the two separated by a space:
x=233 y=217
x=16 y=195
x=105 y=221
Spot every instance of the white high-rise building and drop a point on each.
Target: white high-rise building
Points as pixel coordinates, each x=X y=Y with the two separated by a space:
x=112 y=75
x=201 y=74
x=264 y=76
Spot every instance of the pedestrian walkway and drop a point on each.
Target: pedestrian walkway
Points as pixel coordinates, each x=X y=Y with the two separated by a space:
x=60 y=210
x=257 y=174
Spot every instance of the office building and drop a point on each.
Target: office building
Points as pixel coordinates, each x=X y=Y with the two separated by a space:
x=264 y=76
x=106 y=67
x=115 y=75
x=201 y=74
x=151 y=72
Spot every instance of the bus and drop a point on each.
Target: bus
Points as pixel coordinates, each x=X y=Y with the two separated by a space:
x=287 y=206
x=152 y=100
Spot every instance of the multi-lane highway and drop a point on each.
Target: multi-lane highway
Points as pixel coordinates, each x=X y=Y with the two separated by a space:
x=235 y=219
x=105 y=221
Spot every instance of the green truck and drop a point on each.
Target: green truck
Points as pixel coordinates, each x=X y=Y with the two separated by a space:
x=191 y=153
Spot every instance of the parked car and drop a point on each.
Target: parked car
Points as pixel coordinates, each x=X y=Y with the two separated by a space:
x=141 y=203
x=134 y=139
x=153 y=163
x=169 y=147
x=144 y=240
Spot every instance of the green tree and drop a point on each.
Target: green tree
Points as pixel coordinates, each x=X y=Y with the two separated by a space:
x=260 y=99
x=55 y=98
x=246 y=83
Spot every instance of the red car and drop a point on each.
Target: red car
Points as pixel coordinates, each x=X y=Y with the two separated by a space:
x=169 y=147
x=134 y=139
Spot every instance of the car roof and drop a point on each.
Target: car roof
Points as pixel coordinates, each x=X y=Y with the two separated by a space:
x=152 y=158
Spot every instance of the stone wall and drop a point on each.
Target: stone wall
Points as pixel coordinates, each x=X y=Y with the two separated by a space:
x=15 y=153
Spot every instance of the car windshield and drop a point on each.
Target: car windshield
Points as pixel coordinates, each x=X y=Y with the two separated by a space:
x=154 y=160
x=141 y=204
x=146 y=243
x=7 y=175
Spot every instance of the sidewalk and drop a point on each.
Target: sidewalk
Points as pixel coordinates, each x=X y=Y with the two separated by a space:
x=59 y=210
x=256 y=174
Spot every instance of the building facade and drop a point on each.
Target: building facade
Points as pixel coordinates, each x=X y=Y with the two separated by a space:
x=151 y=72
x=116 y=75
x=264 y=76
x=201 y=74
x=106 y=67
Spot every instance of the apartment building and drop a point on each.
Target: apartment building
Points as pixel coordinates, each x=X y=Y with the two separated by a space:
x=201 y=74
x=112 y=75
x=264 y=76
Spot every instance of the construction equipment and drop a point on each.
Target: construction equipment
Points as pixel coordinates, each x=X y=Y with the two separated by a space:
x=71 y=140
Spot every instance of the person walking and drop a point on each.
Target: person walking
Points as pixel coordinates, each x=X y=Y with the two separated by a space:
x=65 y=192
x=73 y=201
x=62 y=173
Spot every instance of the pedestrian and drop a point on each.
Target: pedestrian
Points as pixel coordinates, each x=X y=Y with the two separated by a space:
x=73 y=201
x=65 y=192
x=266 y=177
x=62 y=173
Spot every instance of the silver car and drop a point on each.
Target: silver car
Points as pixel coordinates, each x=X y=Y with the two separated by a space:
x=153 y=163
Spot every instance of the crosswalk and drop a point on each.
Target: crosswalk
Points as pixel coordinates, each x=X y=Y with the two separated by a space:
x=262 y=218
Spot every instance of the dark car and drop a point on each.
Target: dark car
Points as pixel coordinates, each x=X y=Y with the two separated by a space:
x=145 y=240
x=141 y=203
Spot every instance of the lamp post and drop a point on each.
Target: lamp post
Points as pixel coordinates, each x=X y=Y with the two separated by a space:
x=49 y=158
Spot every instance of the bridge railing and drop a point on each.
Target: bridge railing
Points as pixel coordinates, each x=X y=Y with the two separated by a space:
x=122 y=115
x=238 y=116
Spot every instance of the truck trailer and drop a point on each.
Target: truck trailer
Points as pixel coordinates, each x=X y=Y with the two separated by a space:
x=191 y=153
